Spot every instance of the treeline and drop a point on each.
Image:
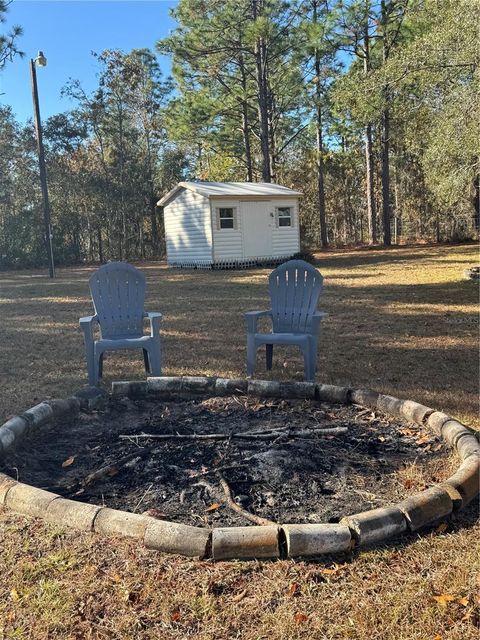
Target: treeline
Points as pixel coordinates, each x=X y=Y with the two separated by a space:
x=368 y=108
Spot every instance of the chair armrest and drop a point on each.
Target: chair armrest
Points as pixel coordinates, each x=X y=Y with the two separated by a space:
x=252 y=318
x=155 y=318
x=86 y=325
x=316 y=319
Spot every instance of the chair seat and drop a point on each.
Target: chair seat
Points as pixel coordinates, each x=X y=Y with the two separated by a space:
x=281 y=338
x=111 y=344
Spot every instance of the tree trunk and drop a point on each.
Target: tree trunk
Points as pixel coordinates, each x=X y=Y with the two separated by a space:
x=263 y=110
x=151 y=197
x=396 y=191
x=122 y=245
x=100 y=245
x=476 y=203
x=386 y=213
x=260 y=52
x=246 y=124
x=370 y=177
x=320 y=161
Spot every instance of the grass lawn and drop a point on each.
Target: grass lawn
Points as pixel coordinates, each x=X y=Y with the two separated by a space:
x=401 y=321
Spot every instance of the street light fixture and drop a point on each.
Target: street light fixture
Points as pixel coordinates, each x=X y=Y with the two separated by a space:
x=41 y=61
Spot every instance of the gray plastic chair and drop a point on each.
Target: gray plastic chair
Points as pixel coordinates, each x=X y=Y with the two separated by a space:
x=295 y=288
x=118 y=294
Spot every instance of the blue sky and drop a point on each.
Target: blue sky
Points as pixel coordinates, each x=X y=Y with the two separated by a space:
x=67 y=31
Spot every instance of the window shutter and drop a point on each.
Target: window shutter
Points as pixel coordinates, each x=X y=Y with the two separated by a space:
x=217 y=218
x=235 y=219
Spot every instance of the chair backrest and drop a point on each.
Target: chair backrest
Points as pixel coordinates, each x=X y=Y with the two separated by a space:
x=295 y=288
x=118 y=293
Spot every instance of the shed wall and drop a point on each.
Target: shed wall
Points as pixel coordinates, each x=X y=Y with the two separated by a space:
x=188 y=229
x=227 y=243
x=286 y=240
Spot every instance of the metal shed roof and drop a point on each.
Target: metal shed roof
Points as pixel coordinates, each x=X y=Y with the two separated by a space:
x=230 y=189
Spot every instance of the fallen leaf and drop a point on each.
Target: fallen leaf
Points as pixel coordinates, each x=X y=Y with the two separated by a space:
x=443 y=599
x=463 y=601
x=381 y=439
x=407 y=483
x=441 y=527
x=15 y=596
x=328 y=572
x=438 y=637
x=468 y=617
x=239 y=596
x=213 y=507
x=293 y=589
x=175 y=616
x=407 y=432
x=154 y=513
x=422 y=440
x=68 y=461
x=300 y=617
x=332 y=570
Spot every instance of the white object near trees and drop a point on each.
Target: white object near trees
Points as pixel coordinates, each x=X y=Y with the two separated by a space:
x=226 y=224
x=118 y=293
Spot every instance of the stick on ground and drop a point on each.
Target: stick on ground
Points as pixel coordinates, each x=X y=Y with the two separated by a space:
x=228 y=500
x=248 y=435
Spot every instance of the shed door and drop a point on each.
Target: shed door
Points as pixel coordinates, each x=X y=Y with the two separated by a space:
x=257 y=225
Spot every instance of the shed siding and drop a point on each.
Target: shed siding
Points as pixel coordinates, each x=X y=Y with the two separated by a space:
x=227 y=243
x=286 y=240
x=188 y=228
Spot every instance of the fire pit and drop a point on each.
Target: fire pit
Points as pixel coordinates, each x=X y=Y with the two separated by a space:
x=236 y=468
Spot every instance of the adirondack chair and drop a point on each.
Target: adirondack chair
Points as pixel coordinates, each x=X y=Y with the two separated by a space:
x=118 y=294
x=295 y=288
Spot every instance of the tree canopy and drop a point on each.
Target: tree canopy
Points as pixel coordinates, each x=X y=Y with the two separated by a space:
x=368 y=107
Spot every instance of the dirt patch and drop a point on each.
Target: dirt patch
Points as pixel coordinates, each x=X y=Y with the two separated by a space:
x=279 y=460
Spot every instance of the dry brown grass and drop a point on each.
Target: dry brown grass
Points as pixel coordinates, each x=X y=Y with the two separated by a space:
x=401 y=321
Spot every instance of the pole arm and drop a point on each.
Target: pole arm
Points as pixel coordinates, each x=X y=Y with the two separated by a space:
x=43 y=170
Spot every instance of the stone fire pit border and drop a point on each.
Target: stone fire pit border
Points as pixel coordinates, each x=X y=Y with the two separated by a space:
x=283 y=541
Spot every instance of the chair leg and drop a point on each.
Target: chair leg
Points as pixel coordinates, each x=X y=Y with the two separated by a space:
x=251 y=354
x=91 y=368
x=154 y=356
x=269 y=356
x=308 y=363
x=100 y=365
x=146 y=360
x=313 y=355
x=311 y=366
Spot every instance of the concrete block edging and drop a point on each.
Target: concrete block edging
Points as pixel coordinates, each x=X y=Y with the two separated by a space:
x=282 y=541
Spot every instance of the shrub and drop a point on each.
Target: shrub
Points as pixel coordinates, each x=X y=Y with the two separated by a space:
x=304 y=255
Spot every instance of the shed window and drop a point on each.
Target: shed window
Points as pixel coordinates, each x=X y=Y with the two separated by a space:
x=226 y=218
x=285 y=216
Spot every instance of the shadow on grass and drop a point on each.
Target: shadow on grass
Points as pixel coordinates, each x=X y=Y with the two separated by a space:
x=391 y=336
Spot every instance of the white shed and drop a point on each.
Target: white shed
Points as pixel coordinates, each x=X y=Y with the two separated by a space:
x=230 y=223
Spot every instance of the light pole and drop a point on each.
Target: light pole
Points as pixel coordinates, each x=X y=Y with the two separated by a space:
x=42 y=62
